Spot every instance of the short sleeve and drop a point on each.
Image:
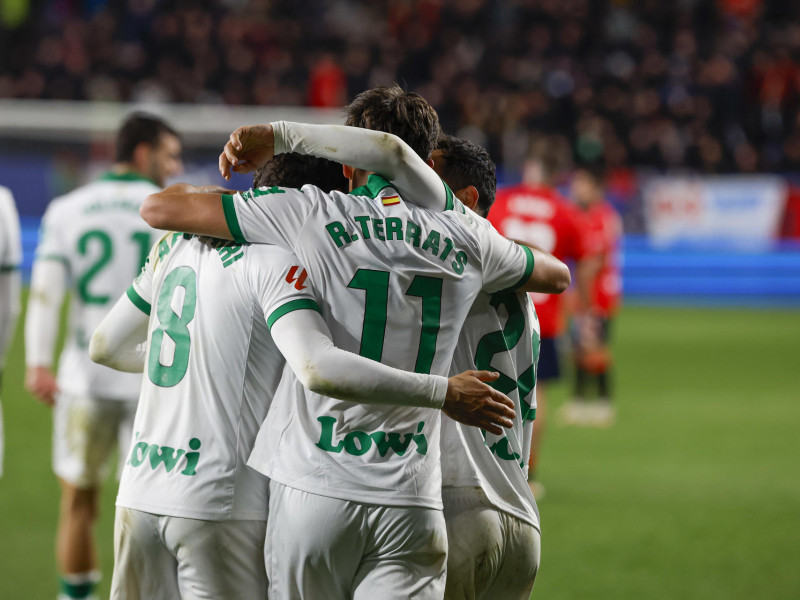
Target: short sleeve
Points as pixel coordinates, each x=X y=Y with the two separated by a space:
x=506 y=265
x=269 y=215
x=281 y=284
x=140 y=291
x=52 y=245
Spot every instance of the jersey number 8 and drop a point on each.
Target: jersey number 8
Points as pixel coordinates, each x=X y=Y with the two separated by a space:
x=173 y=326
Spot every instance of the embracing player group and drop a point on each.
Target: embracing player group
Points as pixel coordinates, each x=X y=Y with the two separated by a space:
x=295 y=341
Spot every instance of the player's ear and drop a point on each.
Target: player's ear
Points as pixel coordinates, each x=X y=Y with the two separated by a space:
x=429 y=162
x=348 y=171
x=141 y=155
x=468 y=195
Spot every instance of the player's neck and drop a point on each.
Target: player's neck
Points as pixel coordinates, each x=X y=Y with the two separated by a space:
x=359 y=178
x=123 y=168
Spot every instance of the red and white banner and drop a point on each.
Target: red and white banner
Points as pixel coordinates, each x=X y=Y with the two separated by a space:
x=739 y=209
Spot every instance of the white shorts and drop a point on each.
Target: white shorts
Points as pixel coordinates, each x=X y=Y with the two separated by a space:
x=491 y=554
x=324 y=548
x=171 y=558
x=85 y=433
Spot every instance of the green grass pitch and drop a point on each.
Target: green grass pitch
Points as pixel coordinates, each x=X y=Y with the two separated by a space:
x=694 y=493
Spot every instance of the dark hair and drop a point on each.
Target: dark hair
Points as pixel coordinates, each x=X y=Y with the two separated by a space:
x=464 y=164
x=594 y=171
x=393 y=110
x=295 y=170
x=553 y=154
x=137 y=128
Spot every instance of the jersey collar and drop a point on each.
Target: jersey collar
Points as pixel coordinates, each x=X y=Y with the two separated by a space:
x=125 y=176
x=375 y=184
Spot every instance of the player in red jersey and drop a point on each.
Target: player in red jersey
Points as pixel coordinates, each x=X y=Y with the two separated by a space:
x=534 y=212
x=592 y=323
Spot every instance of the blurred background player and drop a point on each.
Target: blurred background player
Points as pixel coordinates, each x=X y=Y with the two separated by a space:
x=10 y=283
x=534 y=212
x=94 y=239
x=592 y=323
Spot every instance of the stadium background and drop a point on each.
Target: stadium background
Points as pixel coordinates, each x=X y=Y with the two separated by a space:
x=692 y=107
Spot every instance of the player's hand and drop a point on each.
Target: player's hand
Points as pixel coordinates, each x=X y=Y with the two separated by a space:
x=41 y=383
x=471 y=402
x=248 y=149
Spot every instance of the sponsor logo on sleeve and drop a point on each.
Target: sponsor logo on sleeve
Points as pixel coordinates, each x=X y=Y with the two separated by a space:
x=298 y=280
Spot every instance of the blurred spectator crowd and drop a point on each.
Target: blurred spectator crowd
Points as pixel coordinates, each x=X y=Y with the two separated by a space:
x=706 y=85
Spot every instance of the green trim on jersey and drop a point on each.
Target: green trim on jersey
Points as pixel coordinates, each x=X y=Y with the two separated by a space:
x=377 y=183
x=8 y=268
x=231 y=219
x=291 y=306
x=56 y=257
x=449 y=203
x=265 y=190
x=528 y=268
x=528 y=413
x=126 y=176
x=140 y=303
x=374 y=186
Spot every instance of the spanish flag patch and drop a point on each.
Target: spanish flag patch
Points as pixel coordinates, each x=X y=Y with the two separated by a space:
x=391 y=200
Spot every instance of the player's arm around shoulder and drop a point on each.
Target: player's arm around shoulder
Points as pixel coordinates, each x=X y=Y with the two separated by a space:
x=510 y=265
x=376 y=151
x=305 y=341
x=549 y=275
x=189 y=208
x=266 y=215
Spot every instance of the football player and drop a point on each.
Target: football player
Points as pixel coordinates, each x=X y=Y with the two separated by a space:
x=93 y=241
x=10 y=283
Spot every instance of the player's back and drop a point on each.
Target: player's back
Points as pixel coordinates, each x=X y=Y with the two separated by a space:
x=500 y=334
x=540 y=215
x=395 y=284
x=96 y=231
x=210 y=373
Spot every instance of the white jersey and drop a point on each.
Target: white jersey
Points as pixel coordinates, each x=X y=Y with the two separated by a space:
x=10 y=238
x=500 y=334
x=395 y=284
x=210 y=373
x=96 y=231
x=10 y=280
